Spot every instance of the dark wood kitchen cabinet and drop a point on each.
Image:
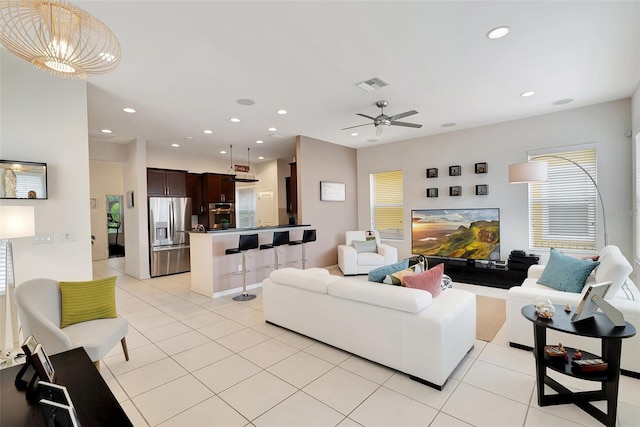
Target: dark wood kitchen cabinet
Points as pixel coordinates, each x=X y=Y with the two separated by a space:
x=166 y=182
x=292 y=189
x=194 y=190
x=218 y=188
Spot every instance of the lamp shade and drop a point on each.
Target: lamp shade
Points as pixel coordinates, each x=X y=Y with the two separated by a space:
x=17 y=221
x=527 y=172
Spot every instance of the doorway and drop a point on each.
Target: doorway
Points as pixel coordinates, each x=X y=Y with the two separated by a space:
x=115 y=226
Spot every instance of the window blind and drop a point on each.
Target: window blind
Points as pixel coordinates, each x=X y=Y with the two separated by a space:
x=387 y=204
x=563 y=210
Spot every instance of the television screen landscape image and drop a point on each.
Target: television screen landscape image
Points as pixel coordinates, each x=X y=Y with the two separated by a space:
x=456 y=233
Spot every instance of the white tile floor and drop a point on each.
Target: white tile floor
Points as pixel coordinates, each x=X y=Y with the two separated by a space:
x=202 y=362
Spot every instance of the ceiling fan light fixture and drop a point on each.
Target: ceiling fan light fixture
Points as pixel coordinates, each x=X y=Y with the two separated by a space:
x=58 y=38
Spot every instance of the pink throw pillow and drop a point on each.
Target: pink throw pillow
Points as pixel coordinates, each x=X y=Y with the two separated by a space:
x=430 y=280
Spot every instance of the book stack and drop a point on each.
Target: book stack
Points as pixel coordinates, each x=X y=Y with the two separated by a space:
x=590 y=365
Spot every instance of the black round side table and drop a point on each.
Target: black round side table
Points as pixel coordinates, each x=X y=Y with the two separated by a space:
x=598 y=326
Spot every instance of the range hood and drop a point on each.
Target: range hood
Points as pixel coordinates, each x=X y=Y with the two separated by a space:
x=234 y=170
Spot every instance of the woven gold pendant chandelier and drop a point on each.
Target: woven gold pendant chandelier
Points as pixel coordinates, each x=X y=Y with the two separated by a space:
x=58 y=37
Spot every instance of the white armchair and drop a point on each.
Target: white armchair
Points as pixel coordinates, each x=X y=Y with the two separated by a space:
x=352 y=262
x=38 y=302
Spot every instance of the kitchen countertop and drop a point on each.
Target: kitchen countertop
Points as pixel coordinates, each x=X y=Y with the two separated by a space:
x=237 y=230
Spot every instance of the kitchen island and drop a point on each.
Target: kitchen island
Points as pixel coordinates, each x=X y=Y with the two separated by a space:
x=215 y=274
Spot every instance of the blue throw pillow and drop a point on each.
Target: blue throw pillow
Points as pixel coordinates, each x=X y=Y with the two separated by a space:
x=378 y=274
x=566 y=273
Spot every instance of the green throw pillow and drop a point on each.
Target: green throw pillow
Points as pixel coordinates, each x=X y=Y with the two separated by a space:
x=566 y=273
x=83 y=301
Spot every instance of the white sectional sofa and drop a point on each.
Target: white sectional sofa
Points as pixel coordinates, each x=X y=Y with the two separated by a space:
x=623 y=295
x=402 y=328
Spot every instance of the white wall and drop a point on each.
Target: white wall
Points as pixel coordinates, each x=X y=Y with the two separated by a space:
x=322 y=161
x=44 y=119
x=106 y=178
x=500 y=145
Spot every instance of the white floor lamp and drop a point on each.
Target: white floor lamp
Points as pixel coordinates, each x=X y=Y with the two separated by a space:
x=536 y=171
x=15 y=222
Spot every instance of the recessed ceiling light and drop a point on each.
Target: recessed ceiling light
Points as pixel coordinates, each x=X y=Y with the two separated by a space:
x=175 y=145
x=234 y=119
x=106 y=131
x=223 y=152
x=129 y=110
x=498 y=32
x=354 y=134
x=259 y=141
x=260 y=157
x=188 y=137
x=527 y=94
x=282 y=112
x=207 y=131
x=563 y=101
x=448 y=125
x=245 y=101
x=272 y=129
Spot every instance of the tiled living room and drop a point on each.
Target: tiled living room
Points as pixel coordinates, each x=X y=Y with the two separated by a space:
x=202 y=362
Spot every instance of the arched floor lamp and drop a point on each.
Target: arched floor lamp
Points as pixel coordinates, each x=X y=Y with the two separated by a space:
x=536 y=171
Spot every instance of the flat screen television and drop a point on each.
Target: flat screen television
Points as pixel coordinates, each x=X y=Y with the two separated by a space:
x=456 y=233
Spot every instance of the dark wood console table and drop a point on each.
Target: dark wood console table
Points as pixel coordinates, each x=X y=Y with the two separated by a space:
x=481 y=274
x=95 y=405
x=597 y=327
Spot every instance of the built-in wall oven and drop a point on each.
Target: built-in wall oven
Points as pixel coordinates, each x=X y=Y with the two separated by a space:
x=220 y=211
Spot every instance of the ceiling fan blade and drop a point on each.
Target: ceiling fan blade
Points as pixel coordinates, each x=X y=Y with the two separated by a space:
x=364 y=115
x=357 y=126
x=402 y=115
x=405 y=124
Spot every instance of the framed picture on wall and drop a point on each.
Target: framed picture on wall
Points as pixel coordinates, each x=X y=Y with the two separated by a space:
x=455 y=170
x=481 y=167
x=332 y=191
x=432 y=192
x=432 y=173
x=482 y=190
x=455 y=191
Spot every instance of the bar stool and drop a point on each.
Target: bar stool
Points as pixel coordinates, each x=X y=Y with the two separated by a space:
x=307 y=237
x=245 y=243
x=279 y=238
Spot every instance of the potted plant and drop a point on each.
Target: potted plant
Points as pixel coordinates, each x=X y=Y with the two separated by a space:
x=225 y=223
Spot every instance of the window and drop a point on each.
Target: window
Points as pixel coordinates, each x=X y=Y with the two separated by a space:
x=387 y=204
x=114 y=214
x=563 y=210
x=246 y=207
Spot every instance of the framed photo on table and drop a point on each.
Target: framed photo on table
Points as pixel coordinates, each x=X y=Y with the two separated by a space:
x=42 y=364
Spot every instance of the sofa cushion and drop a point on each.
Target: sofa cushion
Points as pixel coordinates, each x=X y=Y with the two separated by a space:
x=315 y=280
x=613 y=267
x=397 y=278
x=566 y=273
x=430 y=280
x=378 y=274
x=395 y=297
x=365 y=246
x=84 y=301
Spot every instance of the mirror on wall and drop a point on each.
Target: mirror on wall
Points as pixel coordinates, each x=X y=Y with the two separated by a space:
x=23 y=180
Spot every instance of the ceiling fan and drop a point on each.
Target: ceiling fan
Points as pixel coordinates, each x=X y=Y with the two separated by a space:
x=383 y=121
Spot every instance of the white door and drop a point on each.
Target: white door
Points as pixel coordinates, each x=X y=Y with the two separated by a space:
x=267 y=209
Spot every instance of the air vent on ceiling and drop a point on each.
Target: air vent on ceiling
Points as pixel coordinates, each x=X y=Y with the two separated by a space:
x=372 y=84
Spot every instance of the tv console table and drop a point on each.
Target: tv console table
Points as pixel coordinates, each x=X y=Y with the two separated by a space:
x=472 y=272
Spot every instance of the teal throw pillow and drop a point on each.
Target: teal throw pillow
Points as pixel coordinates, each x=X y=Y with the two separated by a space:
x=378 y=274
x=365 y=246
x=566 y=273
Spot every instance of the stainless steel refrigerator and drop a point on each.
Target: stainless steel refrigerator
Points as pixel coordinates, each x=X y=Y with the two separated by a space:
x=169 y=226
